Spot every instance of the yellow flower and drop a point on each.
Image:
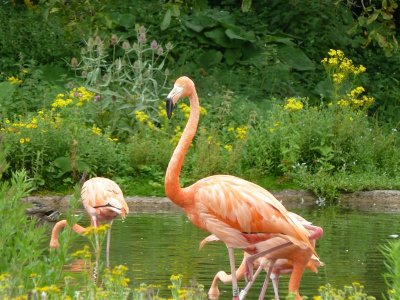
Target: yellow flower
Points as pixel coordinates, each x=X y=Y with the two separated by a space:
x=22 y=141
x=91 y=230
x=292 y=104
x=5 y=276
x=83 y=252
x=96 y=130
x=228 y=147
x=60 y=102
x=141 y=116
x=241 y=132
x=343 y=103
x=162 y=113
x=176 y=277
x=338 y=77
x=14 y=80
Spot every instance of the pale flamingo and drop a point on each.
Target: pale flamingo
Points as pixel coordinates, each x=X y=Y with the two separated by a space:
x=104 y=201
x=238 y=212
x=275 y=263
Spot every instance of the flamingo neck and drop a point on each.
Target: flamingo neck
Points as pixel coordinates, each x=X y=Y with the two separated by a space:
x=172 y=186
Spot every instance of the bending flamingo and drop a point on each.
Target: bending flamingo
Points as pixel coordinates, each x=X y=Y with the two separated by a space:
x=104 y=201
x=238 y=212
x=275 y=263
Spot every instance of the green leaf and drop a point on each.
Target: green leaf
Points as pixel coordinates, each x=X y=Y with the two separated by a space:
x=200 y=22
x=232 y=55
x=295 y=58
x=210 y=58
x=246 y=5
x=235 y=32
x=166 y=20
x=6 y=90
x=127 y=20
x=219 y=37
x=63 y=163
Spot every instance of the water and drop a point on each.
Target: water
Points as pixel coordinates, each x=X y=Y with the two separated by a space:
x=155 y=246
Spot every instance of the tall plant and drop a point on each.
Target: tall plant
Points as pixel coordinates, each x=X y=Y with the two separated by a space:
x=126 y=76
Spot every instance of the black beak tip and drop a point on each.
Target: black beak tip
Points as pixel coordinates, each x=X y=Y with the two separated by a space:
x=169 y=107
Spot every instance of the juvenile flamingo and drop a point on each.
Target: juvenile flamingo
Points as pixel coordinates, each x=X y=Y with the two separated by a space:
x=104 y=201
x=238 y=212
x=275 y=263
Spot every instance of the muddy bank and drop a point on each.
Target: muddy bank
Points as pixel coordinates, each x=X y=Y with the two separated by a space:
x=48 y=207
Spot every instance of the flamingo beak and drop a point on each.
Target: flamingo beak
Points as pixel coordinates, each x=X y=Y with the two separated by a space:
x=169 y=107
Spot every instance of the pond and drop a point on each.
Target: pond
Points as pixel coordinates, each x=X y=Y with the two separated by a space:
x=155 y=246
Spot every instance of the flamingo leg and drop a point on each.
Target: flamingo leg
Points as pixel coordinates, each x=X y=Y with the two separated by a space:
x=243 y=293
x=266 y=280
x=108 y=244
x=235 y=289
x=275 y=284
x=252 y=258
x=97 y=243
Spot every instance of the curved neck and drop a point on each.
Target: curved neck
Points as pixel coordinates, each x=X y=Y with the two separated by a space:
x=172 y=187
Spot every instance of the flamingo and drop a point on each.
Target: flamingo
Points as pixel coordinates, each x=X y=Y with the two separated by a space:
x=276 y=263
x=279 y=267
x=238 y=212
x=104 y=201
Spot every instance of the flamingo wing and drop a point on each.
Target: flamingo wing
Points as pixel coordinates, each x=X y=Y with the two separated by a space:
x=230 y=207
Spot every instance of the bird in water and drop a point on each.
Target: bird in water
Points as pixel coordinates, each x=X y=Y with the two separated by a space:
x=104 y=201
x=276 y=263
x=236 y=211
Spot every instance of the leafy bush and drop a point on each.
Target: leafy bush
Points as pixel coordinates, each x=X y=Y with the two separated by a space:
x=57 y=145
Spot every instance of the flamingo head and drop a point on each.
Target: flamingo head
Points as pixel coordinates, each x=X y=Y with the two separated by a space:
x=183 y=87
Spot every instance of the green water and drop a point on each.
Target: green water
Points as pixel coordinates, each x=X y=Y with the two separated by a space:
x=155 y=246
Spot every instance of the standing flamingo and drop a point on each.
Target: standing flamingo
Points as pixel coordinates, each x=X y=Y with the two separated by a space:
x=238 y=212
x=104 y=201
x=275 y=263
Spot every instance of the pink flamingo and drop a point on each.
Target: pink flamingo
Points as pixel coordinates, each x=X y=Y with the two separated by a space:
x=104 y=201
x=238 y=212
x=275 y=263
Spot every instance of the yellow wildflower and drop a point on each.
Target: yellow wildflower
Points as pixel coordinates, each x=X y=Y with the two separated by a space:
x=5 y=276
x=292 y=104
x=96 y=130
x=83 y=252
x=343 y=103
x=14 y=80
x=141 y=116
x=91 y=230
x=338 y=77
x=228 y=147
x=162 y=113
x=241 y=132
x=60 y=102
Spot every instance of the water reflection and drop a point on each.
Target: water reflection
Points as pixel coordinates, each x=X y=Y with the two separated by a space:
x=155 y=246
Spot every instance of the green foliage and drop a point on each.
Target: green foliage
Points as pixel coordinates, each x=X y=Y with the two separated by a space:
x=354 y=291
x=56 y=146
x=377 y=20
x=125 y=78
x=28 y=89
x=45 y=42
x=21 y=239
x=391 y=251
